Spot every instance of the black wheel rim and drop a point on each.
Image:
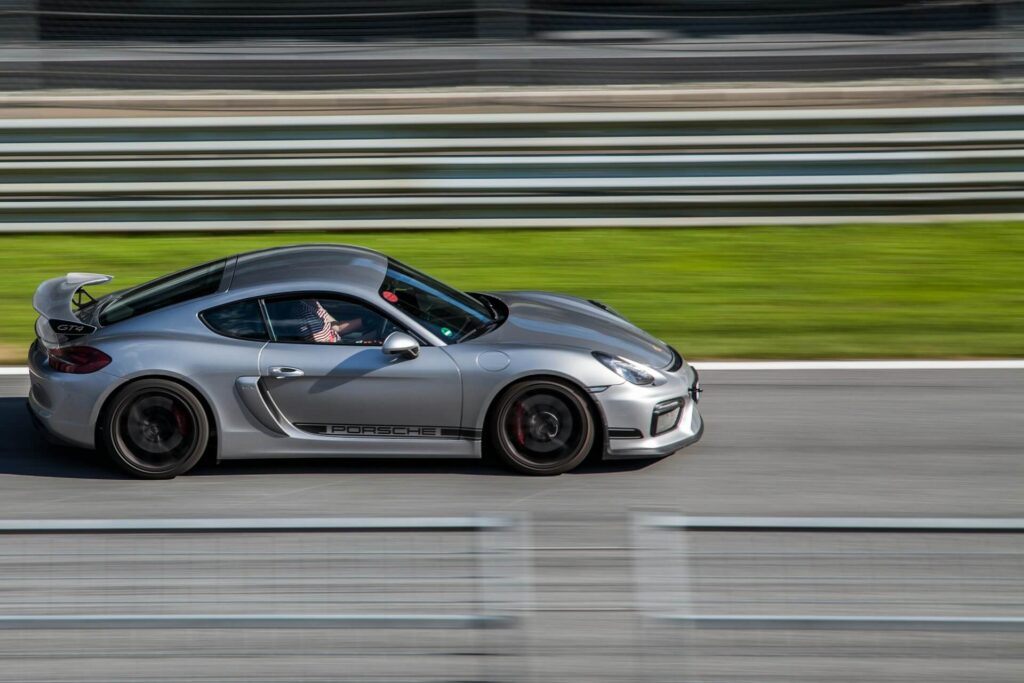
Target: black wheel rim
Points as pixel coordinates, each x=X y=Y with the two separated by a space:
x=544 y=427
x=156 y=430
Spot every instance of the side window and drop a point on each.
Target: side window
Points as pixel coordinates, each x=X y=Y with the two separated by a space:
x=327 y=320
x=242 y=320
x=166 y=291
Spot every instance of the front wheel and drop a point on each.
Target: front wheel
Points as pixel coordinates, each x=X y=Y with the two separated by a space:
x=155 y=429
x=542 y=427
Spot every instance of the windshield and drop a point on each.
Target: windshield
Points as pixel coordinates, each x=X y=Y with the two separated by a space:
x=450 y=314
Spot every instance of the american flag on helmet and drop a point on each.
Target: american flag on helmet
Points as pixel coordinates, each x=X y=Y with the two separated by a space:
x=316 y=323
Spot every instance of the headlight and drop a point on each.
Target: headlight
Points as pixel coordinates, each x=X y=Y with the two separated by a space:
x=628 y=370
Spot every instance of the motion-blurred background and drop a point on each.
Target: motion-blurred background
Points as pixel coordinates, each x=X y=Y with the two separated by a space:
x=325 y=44
x=361 y=121
x=746 y=179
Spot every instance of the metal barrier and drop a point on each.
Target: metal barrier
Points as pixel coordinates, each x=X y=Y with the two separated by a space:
x=271 y=576
x=650 y=530
x=510 y=170
x=816 y=576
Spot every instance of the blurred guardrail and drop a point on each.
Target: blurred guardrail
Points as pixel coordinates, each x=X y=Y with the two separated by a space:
x=79 y=596
x=511 y=170
x=744 y=584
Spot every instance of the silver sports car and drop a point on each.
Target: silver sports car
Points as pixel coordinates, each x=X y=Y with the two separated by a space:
x=331 y=351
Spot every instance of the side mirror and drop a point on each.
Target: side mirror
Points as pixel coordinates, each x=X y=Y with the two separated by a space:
x=401 y=344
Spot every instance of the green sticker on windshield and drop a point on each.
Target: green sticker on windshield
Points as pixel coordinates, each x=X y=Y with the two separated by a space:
x=446 y=332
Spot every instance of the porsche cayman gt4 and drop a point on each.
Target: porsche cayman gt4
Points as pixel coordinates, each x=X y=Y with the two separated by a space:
x=338 y=351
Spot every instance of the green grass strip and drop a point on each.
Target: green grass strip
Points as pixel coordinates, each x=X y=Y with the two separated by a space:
x=854 y=291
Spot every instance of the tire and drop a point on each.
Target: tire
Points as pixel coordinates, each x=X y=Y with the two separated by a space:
x=155 y=429
x=542 y=427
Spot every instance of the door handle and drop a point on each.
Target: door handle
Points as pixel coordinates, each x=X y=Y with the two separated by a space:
x=282 y=372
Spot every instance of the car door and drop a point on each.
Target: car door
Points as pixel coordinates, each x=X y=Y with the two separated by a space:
x=343 y=384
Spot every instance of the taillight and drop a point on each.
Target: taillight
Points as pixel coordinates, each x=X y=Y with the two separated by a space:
x=77 y=360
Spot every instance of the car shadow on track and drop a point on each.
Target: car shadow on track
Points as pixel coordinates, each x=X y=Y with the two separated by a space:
x=357 y=466
x=24 y=451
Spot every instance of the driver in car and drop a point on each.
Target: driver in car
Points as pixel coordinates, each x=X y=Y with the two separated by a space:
x=320 y=327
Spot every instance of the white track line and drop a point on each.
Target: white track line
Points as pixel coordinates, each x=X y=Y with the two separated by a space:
x=522 y=118
x=996 y=364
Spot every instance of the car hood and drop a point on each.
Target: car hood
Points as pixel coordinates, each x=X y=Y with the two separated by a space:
x=560 y=320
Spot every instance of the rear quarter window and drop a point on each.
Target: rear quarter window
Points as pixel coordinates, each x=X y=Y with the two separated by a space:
x=166 y=291
x=240 y=320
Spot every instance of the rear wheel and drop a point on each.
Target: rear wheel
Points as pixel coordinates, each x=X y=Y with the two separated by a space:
x=542 y=427
x=155 y=429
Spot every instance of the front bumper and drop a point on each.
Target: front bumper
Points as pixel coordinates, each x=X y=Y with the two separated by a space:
x=629 y=410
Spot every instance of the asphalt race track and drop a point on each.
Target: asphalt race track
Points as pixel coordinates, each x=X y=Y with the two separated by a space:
x=821 y=443
x=935 y=442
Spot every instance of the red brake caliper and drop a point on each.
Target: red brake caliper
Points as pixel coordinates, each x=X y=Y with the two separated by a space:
x=520 y=433
x=181 y=419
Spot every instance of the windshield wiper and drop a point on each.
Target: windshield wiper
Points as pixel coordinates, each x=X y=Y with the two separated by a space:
x=483 y=329
x=496 y=319
x=486 y=302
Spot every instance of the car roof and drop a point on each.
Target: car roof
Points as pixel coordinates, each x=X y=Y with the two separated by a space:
x=335 y=264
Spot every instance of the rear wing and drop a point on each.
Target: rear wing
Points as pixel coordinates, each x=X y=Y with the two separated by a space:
x=56 y=301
